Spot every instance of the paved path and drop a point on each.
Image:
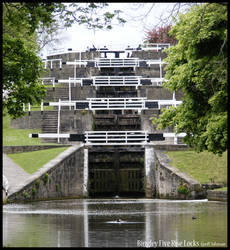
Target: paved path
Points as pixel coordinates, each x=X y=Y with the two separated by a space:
x=14 y=174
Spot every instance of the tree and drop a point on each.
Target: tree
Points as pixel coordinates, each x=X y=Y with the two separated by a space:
x=198 y=66
x=23 y=23
x=160 y=35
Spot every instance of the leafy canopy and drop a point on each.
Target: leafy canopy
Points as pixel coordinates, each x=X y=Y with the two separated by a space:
x=197 y=65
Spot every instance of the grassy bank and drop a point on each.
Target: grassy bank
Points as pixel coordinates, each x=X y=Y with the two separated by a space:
x=204 y=167
x=32 y=161
x=19 y=137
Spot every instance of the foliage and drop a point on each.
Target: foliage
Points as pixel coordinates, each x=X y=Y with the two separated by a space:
x=26 y=195
x=183 y=189
x=34 y=191
x=160 y=35
x=45 y=178
x=23 y=23
x=198 y=66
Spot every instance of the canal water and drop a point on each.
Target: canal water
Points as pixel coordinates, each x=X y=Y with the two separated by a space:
x=115 y=223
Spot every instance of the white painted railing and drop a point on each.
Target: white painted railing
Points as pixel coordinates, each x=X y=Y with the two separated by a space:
x=168 y=103
x=50 y=61
x=113 y=137
x=116 y=80
x=116 y=62
x=100 y=81
x=116 y=103
x=116 y=137
x=114 y=47
x=155 y=46
x=48 y=81
x=62 y=51
x=138 y=103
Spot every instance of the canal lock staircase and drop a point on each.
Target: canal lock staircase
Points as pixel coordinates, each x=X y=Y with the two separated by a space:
x=113 y=170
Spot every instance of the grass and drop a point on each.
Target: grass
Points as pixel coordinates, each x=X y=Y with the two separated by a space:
x=19 y=137
x=32 y=161
x=221 y=189
x=204 y=167
x=38 y=108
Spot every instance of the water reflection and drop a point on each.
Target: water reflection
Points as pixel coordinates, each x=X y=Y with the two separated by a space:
x=113 y=223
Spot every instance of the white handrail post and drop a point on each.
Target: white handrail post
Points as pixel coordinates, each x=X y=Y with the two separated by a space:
x=59 y=111
x=75 y=68
x=175 y=139
x=160 y=69
x=23 y=107
x=174 y=96
x=29 y=108
x=69 y=93
x=86 y=137
x=42 y=106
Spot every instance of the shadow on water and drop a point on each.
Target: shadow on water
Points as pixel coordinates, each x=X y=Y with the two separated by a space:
x=114 y=221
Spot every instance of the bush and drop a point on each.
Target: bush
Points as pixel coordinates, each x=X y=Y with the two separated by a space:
x=183 y=189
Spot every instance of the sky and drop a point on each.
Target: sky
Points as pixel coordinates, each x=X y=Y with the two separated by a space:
x=131 y=33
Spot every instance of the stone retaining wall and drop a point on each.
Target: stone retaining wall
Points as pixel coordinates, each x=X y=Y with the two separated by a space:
x=60 y=178
x=30 y=148
x=168 y=181
x=32 y=121
x=214 y=195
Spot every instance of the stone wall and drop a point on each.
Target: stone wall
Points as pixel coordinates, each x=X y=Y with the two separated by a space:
x=77 y=121
x=166 y=182
x=214 y=195
x=60 y=178
x=29 y=148
x=32 y=121
x=169 y=180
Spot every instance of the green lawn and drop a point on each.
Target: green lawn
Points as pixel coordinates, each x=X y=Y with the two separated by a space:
x=204 y=167
x=32 y=161
x=19 y=137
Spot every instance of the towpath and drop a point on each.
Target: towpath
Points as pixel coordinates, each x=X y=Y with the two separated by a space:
x=14 y=174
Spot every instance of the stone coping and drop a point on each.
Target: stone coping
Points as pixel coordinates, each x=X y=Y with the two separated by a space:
x=29 y=148
x=215 y=195
x=51 y=164
x=165 y=161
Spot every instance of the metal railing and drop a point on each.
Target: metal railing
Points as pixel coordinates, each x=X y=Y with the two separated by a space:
x=106 y=138
x=98 y=47
x=100 y=81
x=116 y=80
x=116 y=137
x=116 y=62
x=116 y=103
x=48 y=81
x=155 y=46
x=50 y=61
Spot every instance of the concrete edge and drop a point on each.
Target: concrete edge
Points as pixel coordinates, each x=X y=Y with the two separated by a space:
x=29 y=148
x=44 y=169
x=215 y=195
x=165 y=160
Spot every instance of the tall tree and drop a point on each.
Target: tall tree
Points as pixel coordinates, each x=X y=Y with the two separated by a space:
x=160 y=35
x=22 y=23
x=198 y=66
